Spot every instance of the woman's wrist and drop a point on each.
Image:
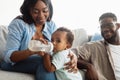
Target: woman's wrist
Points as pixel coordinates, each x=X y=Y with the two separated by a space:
x=30 y=52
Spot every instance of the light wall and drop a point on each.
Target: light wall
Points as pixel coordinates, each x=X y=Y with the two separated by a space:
x=9 y=9
x=69 y=13
x=83 y=13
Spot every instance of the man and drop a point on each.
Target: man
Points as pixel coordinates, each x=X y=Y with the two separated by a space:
x=101 y=58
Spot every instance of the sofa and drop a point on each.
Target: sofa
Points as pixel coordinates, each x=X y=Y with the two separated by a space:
x=80 y=36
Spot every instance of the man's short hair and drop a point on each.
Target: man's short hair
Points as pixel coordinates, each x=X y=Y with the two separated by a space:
x=108 y=15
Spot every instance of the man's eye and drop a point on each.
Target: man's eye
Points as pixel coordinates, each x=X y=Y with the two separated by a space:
x=109 y=25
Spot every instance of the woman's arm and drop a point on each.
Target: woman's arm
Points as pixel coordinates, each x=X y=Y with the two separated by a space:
x=90 y=74
x=71 y=66
x=20 y=55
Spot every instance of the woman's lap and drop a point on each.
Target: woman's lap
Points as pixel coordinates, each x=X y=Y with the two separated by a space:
x=33 y=65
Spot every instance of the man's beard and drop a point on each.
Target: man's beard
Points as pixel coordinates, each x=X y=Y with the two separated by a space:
x=112 y=39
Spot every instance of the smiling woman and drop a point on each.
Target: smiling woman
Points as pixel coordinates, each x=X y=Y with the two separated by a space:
x=35 y=19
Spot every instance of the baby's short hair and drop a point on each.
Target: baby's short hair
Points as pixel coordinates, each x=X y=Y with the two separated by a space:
x=70 y=36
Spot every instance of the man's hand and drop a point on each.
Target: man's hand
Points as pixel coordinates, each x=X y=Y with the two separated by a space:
x=91 y=73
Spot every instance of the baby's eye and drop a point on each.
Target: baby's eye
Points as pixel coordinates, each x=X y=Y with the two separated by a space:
x=52 y=40
x=58 y=41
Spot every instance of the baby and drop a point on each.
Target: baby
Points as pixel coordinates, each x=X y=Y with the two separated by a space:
x=62 y=40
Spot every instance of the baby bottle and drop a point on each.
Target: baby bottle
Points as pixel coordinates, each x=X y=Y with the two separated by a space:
x=36 y=45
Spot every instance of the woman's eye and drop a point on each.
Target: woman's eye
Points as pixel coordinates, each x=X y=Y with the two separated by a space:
x=45 y=10
x=35 y=11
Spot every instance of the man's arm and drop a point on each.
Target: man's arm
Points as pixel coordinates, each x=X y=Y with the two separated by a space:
x=47 y=63
x=90 y=73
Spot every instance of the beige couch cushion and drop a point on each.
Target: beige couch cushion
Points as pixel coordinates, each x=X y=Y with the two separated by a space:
x=3 y=35
x=80 y=37
x=6 y=75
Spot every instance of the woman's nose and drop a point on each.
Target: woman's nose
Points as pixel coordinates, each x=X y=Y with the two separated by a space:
x=41 y=14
